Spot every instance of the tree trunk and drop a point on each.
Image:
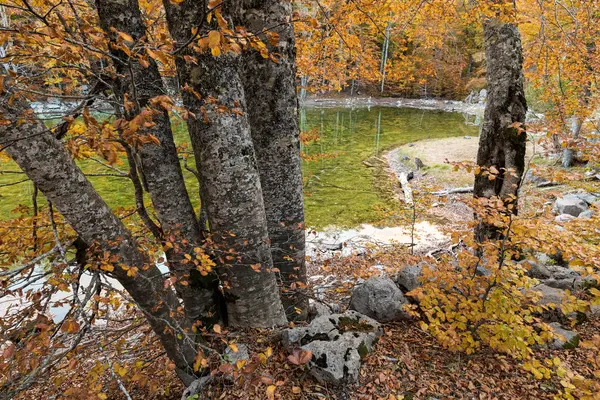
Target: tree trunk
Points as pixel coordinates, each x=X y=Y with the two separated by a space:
x=273 y=114
x=160 y=163
x=568 y=153
x=46 y=162
x=502 y=144
x=227 y=167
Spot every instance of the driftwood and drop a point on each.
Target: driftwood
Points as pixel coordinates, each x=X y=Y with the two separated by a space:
x=408 y=196
x=453 y=191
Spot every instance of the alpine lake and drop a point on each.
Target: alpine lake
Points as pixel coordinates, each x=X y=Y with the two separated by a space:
x=346 y=182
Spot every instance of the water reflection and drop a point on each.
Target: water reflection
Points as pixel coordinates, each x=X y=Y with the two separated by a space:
x=340 y=188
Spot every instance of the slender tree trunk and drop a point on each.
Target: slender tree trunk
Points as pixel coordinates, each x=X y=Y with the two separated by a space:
x=226 y=163
x=46 y=162
x=568 y=153
x=273 y=113
x=502 y=143
x=159 y=162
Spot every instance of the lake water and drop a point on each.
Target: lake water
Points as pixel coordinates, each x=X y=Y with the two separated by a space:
x=340 y=189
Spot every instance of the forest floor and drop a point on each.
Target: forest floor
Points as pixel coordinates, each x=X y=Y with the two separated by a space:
x=407 y=363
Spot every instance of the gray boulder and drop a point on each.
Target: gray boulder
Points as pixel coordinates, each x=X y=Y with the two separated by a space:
x=538 y=270
x=589 y=198
x=380 y=299
x=549 y=294
x=318 y=308
x=338 y=343
x=563 y=278
x=570 y=204
x=564 y=338
x=408 y=278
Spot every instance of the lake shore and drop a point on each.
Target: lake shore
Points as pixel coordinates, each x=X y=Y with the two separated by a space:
x=423 y=104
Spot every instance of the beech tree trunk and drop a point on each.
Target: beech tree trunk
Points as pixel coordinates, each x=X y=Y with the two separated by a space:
x=46 y=162
x=502 y=144
x=227 y=167
x=159 y=163
x=273 y=114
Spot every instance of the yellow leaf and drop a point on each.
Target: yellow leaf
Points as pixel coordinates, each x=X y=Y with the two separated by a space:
x=271 y=392
x=214 y=39
x=126 y=37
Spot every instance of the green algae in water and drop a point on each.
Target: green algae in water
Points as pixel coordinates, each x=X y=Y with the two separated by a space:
x=343 y=191
x=339 y=190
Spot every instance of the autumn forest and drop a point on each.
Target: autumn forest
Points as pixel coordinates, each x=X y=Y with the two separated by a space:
x=299 y=199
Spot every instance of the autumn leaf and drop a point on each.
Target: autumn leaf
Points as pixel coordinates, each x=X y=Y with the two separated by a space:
x=300 y=357
x=270 y=392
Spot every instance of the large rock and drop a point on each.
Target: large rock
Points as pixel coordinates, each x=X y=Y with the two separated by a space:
x=549 y=294
x=563 y=278
x=589 y=198
x=570 y=204
x=380 y=299
x=564 y=338
x=408 y=278
x=338 y=342
x=538 y=270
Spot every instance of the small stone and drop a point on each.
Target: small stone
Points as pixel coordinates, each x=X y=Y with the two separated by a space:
x=241 y=354
x=589 y=198
x=565 y=339
x=318 y=308
x=570 y=204
x=565 y=284
x=562 y=218
x=538 y=270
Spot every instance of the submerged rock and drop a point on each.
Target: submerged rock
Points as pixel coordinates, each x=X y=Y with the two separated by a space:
x=380 y=299
x=338 y=342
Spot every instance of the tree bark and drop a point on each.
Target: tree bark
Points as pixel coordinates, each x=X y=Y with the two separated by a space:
x=502 y=143
x=160 y=163
x=227 y=167
x=273 y=115
x=46 y=162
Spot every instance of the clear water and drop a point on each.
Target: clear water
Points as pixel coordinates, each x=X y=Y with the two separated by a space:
x=345 y=192
x=339 y=190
